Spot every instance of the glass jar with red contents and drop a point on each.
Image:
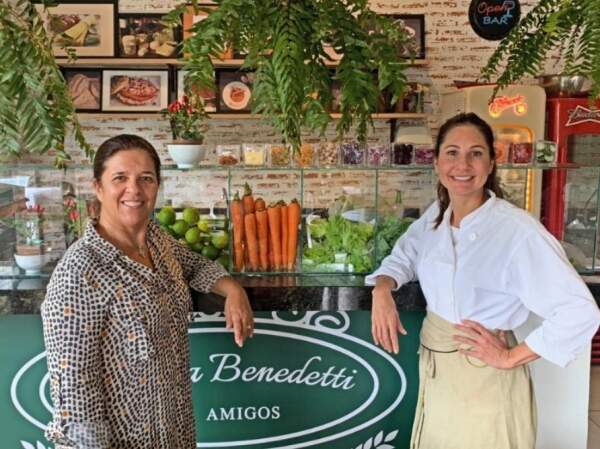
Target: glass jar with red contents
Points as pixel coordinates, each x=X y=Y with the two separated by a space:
x=522 y=153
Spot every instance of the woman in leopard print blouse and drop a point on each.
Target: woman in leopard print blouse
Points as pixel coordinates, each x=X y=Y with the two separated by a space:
x=116 y=314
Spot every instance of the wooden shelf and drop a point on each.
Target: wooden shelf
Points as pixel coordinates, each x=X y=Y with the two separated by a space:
x=227 y=116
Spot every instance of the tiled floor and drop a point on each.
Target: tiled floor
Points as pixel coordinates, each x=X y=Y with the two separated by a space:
x=594 y=427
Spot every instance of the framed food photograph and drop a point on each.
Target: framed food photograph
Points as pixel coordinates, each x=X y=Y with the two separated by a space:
x=146 y=36
x=414 y=25
x=85 y=87
x=190 y=18
x=209 y=96
x=235 y=90
x=87 y=27
x=135 y=90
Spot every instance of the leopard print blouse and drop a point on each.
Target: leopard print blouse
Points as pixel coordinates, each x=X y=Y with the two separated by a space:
x=117 y=344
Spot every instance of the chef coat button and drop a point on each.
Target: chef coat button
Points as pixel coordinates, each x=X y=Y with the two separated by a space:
x=472 y=236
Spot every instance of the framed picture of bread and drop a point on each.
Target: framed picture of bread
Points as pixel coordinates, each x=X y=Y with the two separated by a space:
x=209 y=96
x=235 y=90
x=135 y=90
x=85 y=87
x=414 y=25
x=86 y=27
x=146 y=36
x=190 y=18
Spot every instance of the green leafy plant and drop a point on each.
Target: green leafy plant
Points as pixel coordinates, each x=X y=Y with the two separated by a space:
x=36 y=110
x=285 y=42
x=186 y=116
x=571 y=26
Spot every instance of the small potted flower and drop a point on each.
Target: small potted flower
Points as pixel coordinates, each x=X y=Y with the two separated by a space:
x=29 y=254
x=185 y=117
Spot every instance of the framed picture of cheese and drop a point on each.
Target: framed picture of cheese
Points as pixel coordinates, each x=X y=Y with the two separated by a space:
x=85 y=87
x=209 y=96
x=146 y=36
x=235 y=90
x=135 y=90
x=86 y=27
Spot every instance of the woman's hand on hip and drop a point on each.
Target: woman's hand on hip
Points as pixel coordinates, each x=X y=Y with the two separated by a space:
x=238 y=315
x=385 y=321
x=487 y=346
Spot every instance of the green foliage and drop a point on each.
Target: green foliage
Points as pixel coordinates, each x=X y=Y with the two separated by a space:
x=35 y=107
x=572 y=26
x=285 y=40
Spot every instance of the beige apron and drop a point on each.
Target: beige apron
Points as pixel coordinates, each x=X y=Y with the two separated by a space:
x=465 y=404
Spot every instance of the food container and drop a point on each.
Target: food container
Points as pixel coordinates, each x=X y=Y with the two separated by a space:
x=502 y=150
x=402 y=154
x=351 y=153
x=378 y=155
x=228 y=154
x=522 y=153
x=545 y=152
x=279 y=155
x=305 y=155
x=254 y=154
x=424 y=154
x=328 y=154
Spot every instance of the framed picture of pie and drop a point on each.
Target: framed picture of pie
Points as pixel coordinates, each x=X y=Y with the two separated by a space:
x=87 y=27
x=85 y=87
x=235 y=90
x=135 y=90
x=209 y=96
x=191 y=18
x=146 y=36
x=414 y=26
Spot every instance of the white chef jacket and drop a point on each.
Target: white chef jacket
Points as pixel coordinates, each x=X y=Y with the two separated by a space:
x=504 y=265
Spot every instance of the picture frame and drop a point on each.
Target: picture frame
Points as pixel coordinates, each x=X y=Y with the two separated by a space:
x=85 y=87
x=414 y=24
x=189 y=18
x=208 y=96
x=235 y=90
x=135 y=90
x=87 y=27
x=145 y=36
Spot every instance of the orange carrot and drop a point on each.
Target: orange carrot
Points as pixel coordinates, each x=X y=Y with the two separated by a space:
x=248 y=200
x=251 y=240
x=237 y=221
x=262 y=227
x=271 y=259
x=284 y=235
x=259 y=204
x=274 y=214
x=293 y=221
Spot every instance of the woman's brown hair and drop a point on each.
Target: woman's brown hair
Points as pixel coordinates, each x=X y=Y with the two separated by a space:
x=466 y=119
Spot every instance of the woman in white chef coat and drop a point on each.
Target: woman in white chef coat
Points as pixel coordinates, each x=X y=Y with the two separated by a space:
x=483 y=265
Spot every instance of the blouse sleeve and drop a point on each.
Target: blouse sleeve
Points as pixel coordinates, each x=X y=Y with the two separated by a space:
x=400 y=265
x=542 y=277
x=200 y=272
x=73 y=319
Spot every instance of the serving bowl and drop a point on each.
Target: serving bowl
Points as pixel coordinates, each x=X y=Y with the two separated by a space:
x=564 y=85
x=31 y=264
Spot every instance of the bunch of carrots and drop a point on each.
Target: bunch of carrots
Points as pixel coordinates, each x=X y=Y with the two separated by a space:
x=264 y=238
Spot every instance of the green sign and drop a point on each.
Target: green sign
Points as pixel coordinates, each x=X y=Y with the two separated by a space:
x=311 y=379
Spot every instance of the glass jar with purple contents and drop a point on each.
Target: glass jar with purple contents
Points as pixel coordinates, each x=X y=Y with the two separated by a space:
x=402 y=154
x=378 y=155
x=424 y=154
x=352 y=153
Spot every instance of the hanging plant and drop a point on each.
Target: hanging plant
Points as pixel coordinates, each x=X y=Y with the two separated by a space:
x=285 y=42
x=36 y=110
x=571 y=26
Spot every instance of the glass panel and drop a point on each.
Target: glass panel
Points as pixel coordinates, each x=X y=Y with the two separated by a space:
x=584 y=149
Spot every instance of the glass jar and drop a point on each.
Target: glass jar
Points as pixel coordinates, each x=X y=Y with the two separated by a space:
x=279 y=155
x=502 y=150
x=351 y=153
x=254 y=154
x=328 y=154
x=402 y=154
x=424 y=154
x=522 y=153
x=378 y=155
x=545 y=152
x=305 y=155
x=228 y=154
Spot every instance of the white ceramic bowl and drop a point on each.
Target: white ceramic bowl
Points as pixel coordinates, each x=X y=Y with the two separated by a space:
x=31 y=264
x=186 y=155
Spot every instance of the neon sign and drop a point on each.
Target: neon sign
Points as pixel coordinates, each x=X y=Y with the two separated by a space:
x=582 y=114
x=502 y=103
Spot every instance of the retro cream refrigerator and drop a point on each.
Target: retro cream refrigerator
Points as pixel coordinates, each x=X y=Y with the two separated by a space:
x=517 y=115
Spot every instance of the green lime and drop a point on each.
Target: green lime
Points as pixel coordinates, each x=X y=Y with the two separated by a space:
x=223 y=259
x=197 y=247
x=180 y=227
x=210 y=251
x=204 y=225
x=166 y=216
x=192 y=235
x=220 y=240
x=191 y=215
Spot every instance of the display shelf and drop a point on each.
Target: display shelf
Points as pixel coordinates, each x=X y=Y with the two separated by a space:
x=234 y=116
